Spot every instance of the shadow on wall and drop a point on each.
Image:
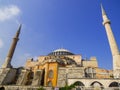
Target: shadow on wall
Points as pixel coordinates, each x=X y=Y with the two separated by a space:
x=2 y=88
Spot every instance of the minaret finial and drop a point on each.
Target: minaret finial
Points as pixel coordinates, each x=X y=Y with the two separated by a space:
x=18 y=32
x=102 y=9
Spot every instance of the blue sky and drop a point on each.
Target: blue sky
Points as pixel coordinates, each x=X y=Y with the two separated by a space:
x=75 y=25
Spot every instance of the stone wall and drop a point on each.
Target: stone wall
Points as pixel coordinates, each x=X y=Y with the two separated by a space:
x=37 y=78
x=24 y=88
x=7 y=76
x=89 y=63
x=22 y=77
x=68 y=72
x=88 y=82
x=50 y=88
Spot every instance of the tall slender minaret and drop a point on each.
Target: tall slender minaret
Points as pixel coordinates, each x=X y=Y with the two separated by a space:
x=7 y=63
x=113 y=44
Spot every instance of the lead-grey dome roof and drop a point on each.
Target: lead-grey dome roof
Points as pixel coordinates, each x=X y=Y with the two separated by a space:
x=61 y=51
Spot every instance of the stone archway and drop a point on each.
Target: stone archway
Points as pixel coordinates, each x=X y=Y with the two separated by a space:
x=2 y=88
x=97 y=85
x=114 y=84
x=79 y=85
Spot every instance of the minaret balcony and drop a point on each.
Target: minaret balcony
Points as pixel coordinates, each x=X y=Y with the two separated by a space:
x=106 y=21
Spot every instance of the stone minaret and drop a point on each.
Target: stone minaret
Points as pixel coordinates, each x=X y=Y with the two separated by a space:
x=7 y=63
x=113 y=44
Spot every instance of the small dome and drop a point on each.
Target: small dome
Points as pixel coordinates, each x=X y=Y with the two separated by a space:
x=61 y=51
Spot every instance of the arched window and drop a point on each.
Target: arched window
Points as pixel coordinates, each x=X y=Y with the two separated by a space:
x=114 y=84
x=90 y=72
x=29 y=78
x=49 y=83
x=97 y=84
x=78 y=83
x=50 y=74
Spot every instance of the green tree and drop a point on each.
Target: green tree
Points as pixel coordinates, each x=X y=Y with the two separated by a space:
x=41 y=88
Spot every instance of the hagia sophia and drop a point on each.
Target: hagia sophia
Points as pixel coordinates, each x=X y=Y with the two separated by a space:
x=62 y=67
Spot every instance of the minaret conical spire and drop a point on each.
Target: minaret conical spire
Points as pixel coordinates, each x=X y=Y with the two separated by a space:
x=18 y=32
x=7 y=63
x=104 y=16
x=102 y=9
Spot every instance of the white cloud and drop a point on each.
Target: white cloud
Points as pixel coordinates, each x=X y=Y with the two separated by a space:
x=8 y=12
x=1 y=43
x=35 y=58
x=27 y=55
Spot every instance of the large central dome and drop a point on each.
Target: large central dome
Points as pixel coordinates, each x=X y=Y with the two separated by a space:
x=61 y=51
